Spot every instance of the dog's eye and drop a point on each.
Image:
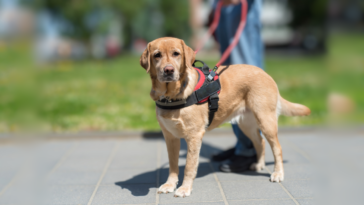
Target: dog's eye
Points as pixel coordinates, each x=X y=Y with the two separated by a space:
x=175 y=54
x=157 y=55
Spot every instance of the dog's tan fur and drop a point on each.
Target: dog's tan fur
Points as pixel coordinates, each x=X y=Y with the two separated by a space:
x=249 y=97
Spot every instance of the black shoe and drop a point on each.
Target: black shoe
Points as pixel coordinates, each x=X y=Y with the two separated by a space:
x=238 y=163
x=223 y=155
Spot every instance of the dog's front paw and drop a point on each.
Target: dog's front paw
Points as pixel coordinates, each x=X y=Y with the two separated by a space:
x=277 y=177
x=257 y=166
x=183 y=191
x=167 y=188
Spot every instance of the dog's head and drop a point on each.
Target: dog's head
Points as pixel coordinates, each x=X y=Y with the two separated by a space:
x=167 y=59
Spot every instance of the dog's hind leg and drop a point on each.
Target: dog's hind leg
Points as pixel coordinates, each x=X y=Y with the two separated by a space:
x=193 y=151
x=248 y=124
x=269 y=126
x=173 y=147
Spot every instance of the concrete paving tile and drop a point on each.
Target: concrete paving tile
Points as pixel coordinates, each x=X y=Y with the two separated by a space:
x=126 y=194
x=300 y=188
x=219 y=143
x=306 y=201
x=254 y=189
x=211 y=145
x=97 y=144
x=290 y=155
x=264 y=202
x=93 y=149
x=137 y=152
x=68 y=194
x=83 y=164
x=19 y=193
x=130 y=176
x=5 y=177
x=46 y=155
x=182 y=161
x=80 y=154
x=73 y=178
x=202 y=192
x=247 y=175
x=52 y=151
x=12 y=158
x=144 y=148
x=204 y=174
x=198 y=203
x=145 y=162
x=297 y=171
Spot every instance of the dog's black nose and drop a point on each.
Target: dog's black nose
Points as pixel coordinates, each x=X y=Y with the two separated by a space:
x=168 y=70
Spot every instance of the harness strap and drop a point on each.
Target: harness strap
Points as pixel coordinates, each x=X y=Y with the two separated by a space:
x=173 y=105
x=213 y=107
x=210 y=89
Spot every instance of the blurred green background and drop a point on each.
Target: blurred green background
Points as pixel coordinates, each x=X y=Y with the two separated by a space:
x=114 y=94
x=111 y=91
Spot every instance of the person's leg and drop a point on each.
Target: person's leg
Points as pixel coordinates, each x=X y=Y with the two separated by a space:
x=249 y=50
x=244 y=146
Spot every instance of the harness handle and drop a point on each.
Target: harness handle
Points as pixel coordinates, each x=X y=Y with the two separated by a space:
x=205 y=69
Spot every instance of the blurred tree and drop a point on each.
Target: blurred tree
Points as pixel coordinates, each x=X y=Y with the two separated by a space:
x=147 y=19
x=308 y=12
x=149 y=23
x=310 y=20
x=162 y=18
x=128 y=10
x=87 y=17
x=176 y=15
x=72 y=12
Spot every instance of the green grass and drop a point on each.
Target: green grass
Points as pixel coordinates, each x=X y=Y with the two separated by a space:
x=114 y=94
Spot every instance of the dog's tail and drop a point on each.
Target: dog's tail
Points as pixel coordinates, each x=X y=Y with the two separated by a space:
x=293 y=109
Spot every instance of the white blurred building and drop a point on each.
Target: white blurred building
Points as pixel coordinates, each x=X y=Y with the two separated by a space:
x=15 y=21
x=275 y=17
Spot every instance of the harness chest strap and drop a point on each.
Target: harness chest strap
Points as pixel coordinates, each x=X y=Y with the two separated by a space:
x=197 y=97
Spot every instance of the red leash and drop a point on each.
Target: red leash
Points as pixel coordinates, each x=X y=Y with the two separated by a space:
x=215 y=23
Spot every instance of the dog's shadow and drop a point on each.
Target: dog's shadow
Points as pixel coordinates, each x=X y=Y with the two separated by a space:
x=141 y=184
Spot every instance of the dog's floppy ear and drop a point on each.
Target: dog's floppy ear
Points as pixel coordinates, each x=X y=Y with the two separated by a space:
x=189 y=55
x=145 y=59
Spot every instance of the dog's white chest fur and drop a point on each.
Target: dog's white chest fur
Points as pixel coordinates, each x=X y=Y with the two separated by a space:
x=173 y=125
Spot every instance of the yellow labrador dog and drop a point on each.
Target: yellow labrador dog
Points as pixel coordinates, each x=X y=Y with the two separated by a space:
x=249 y=97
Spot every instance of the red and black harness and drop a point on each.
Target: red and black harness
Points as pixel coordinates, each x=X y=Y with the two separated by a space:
x=208 y=86
x=207 y=90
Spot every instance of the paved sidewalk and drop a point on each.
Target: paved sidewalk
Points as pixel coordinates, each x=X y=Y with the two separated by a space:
x=128 y=171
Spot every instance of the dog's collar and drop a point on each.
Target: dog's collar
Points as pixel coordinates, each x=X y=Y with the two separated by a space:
x=206 y=90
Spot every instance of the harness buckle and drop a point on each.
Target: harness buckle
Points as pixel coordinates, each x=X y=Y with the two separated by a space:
x=214 y=103
x=215 y=68
x=211 y=76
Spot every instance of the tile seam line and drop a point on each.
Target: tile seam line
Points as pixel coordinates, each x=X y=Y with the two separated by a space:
x=12 y=181
x=263 y=199
x=111 y=157
x=303 y=153
x=159 y=158
x=189 y=202
x=15 y=178
x=63 y=158
x=260 y=180
x=284 y=188
x=219 y=185
x=218 y=182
